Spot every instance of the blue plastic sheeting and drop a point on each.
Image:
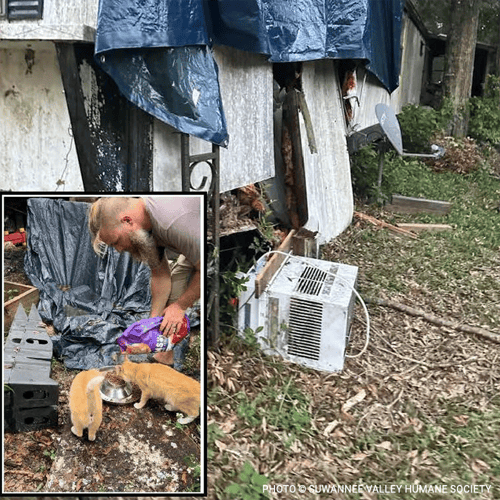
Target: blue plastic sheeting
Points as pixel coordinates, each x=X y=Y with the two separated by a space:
x=180 y=85
x=304 y=30
x=89 y=300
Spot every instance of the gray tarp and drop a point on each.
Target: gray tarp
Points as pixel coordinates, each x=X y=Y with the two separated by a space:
x=90 y=301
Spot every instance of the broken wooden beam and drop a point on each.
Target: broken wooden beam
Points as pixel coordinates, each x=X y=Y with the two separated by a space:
x=305 y=244
x=408 y=205
x=273 y=264
x=381 y=223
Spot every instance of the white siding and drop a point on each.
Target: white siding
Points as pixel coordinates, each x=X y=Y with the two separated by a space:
x=38 y=150
x=62 y=20
x=246 y=84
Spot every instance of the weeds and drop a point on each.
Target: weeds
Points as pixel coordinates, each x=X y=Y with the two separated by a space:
x=284 y=409
x=193 y=464
x=248 y=484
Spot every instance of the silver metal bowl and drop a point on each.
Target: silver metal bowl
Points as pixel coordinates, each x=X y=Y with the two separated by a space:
x=121 y=393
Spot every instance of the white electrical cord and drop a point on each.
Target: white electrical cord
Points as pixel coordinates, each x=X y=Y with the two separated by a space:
x=289 y=255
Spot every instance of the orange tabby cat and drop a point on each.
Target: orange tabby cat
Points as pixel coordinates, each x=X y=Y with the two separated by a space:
x=85 y=403
x=158 y=381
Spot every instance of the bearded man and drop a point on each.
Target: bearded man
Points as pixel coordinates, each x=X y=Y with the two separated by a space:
x=153 y=229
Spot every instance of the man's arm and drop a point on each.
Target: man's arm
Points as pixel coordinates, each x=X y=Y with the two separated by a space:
x=174 y=313
x=161 y=286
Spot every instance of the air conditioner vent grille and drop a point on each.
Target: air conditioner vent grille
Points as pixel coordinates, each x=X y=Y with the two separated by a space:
x=311 y=281
x=304 y=328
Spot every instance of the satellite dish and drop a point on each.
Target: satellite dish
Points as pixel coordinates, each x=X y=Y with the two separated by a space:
x=390 y=126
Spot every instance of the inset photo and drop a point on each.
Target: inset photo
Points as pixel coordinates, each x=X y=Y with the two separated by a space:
x=104 y=351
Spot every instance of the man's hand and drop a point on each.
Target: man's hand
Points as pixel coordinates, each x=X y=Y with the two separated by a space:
x=173 y=316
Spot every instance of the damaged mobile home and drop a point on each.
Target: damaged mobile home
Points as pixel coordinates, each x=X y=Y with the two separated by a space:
x=92 y=100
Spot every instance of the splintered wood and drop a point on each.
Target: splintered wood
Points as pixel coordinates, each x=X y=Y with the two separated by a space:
x=272 y=265
x=381 y=223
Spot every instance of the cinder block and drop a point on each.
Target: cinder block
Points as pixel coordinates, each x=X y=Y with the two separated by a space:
x=30 y=395
x=32 y=419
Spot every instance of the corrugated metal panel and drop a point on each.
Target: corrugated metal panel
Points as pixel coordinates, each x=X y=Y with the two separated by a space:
x=370 y=93
x=246 y=82
x=328 y=174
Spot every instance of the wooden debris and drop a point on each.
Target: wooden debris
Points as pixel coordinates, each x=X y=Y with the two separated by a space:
x=494 y=337
x=386 y=225
x=273 y=265
x=304 y=243
x=417 y=228
x=408 y=205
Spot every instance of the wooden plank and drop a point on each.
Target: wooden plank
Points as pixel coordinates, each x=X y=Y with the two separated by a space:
x=273 y=265
x=408 y=205
x=417 y=228
x=27 y=295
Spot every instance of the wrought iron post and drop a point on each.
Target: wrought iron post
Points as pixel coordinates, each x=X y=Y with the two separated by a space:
x=189 y=163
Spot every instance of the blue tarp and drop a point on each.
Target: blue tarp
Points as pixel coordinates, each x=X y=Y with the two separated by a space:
x=305 y=30
x=180 y=85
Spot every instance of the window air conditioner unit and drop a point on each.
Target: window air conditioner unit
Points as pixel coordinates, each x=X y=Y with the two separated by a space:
x=305 y=311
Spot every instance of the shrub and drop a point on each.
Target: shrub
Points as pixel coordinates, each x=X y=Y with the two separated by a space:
x=419 y=124
x=484 y=122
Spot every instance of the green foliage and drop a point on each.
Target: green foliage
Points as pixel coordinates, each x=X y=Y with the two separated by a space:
x=286 y=409
x=50 y=453
x=484 y=123
x=250 y=338
x=419 y=124
x=364 y=172
x=193 y=463
x=248 y=485
x=11 y=293
x=231 y=286
x=214 y=432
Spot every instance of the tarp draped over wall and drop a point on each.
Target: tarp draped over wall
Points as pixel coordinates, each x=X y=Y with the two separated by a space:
x=305 y=30
x=180 y=85
x=157 y=53
x=89 y=300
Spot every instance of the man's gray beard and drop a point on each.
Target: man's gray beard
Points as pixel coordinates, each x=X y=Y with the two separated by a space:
x=144 y=248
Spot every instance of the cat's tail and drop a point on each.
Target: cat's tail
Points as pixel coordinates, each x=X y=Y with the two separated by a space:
x=95 y=382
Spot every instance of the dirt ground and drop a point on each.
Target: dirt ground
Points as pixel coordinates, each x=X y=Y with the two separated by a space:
x=135 y=451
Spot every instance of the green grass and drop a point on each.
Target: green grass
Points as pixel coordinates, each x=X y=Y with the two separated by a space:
x=464 y=261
